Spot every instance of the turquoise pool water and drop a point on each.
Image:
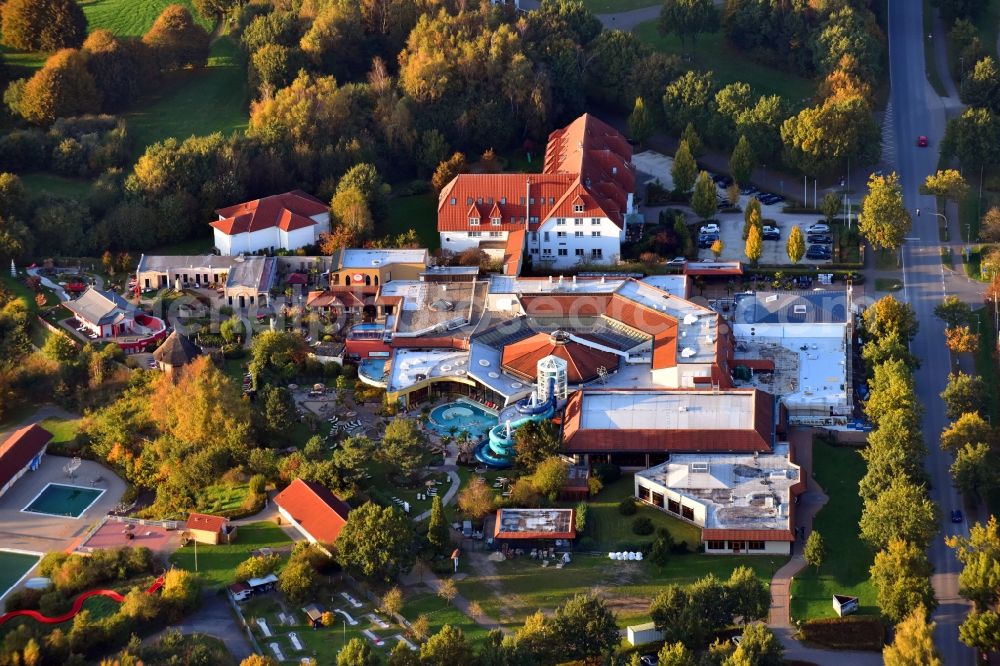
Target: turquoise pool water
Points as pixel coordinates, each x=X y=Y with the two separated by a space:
x=57 y=499
x=373 y=368
x=462 y=415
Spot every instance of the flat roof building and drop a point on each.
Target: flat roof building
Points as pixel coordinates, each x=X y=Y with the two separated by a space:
x=535 y=524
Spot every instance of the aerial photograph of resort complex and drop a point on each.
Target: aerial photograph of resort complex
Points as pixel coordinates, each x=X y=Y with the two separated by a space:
x=499 y=332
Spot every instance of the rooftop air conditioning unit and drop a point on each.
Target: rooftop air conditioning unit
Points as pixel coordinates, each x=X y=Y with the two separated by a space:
x=699 y=468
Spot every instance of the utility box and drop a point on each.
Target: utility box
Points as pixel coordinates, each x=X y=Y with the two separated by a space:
x=844 y=604
x=643 y=634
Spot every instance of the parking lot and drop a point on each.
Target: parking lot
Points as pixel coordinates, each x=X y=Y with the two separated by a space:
x=731 y=234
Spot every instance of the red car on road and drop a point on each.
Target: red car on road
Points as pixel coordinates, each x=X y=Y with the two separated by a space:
x=922 y=141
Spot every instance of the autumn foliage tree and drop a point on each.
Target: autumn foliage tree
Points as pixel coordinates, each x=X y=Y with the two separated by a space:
x=447 y=170
x=176 y=41
x=42 y=25
x=63 y=87
x=961 y=339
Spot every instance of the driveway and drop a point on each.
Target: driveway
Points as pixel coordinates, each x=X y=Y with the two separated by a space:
x=214 y=618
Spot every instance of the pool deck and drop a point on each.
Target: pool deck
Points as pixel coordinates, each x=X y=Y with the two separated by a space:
x=39 y=532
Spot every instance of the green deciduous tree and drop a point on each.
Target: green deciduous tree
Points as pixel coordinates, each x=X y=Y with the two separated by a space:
x=297 y=579
x=476 y=500
x=703 y=200
x=819 y=139
x=884 y=220
x=815 y=551
x=973 y=138
x=675 y=654
x=888 y=315
x=551 y=476
x=689 y=99
x=901 y=575
x=583 y=628
x=795 y=246
x=357 y=652
x=534 y=442
x=974 y=471
x=641 y=123
x=684 y=170
x=741 y=162
x=981 y=630
x=759 y=646
x=963 y=394
x=688 y=18
x=42 y=25
x=376 y=542
x=913 y=644
x=953 y=311
x=830 y=206
x=437 y=528
x=981 y=85
x=901 y=512
x=403 y=446
x=448 y=647
x=969 y=428
x=947 y=184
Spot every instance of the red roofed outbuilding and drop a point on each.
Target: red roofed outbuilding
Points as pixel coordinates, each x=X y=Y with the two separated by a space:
x=313 y=510
x=206 y=528
x=21 y=452
x=282 y=221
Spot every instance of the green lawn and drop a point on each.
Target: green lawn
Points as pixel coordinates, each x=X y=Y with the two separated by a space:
x=20 y=63
x=610 y=530
x=729 y=64
x=131 y=18
x=195 y=102
x=217 y=563
x=848 y=559
x=222 y=498
x=417 y=211
x=440 y=613
x=628 y=587
x=39 y=183
x=888 y=284
x=62 y=430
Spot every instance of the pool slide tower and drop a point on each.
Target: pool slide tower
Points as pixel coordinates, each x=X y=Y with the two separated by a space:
x=498 y=450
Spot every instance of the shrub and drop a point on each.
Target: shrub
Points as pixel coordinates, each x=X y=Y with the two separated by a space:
x=627 y=506
x=607 y=472
x=581 y=517
x=642 y=526
x=23 y=599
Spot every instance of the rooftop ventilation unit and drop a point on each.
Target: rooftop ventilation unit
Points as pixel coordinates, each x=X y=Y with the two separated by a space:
x=688 y=352
x=690 y=319
x=799 y=309
x=771 y=299
x=699 y=468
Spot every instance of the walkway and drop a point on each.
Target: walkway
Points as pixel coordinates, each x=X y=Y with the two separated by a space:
x=455 y=482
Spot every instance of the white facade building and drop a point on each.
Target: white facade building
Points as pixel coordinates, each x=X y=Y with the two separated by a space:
x=286 y=221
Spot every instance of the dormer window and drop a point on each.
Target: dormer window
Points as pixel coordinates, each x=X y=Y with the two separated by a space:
x=473 y=221
x=578 y=208
x=495 y=221
x=503 y=201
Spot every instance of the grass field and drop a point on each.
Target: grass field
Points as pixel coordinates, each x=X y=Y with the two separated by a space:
x=217 y=563
x=40 y=182
x=729 y=64
x=612 y=531
x=440 y=613
x=848 y=559
x=419 y=212
x=22 y=64
x=628 y=587
x=130 y=18
x=609 y=6
x=195 y=102
x=888 y=284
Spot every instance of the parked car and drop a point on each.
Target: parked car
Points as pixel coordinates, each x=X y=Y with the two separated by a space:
x=863 y=391
x=710 y=228
x=649 y=660
x=956 y=516
x=819 y=252
x=771 y=233
x=818 y=228
x=722 y=180
x=820 y=239
x=706 y=240
x=677 y=261
x=748 y=190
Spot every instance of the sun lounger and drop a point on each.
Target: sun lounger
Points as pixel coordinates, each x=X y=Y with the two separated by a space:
x=264 y=629
x=276 y=649
x=408 y=644
x=373 y=638
x=294 y=638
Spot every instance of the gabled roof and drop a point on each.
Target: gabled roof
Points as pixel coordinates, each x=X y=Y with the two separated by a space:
x=320 y=513
x=205 y=522
x=176 y=350
x=340 y=297
x=288 y=211
x=99 y=307
x=18 y=450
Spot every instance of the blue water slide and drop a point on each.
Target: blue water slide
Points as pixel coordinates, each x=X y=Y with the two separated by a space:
x=498 y=449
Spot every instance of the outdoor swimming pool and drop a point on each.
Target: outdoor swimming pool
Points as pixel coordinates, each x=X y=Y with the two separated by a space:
x=373 y=369
x=462 y=415
x=57 y=499
x=368 y=331
x=13 y=567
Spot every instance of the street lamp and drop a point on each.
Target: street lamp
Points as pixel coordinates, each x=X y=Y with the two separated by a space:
x=945 y=218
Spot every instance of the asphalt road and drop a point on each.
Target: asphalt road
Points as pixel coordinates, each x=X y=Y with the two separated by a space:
x=919 y=111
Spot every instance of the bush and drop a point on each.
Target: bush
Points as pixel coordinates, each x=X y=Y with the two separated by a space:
x=627 y=506
x=642 y=526
x=23 y=599
x=845 y=633
x=581 y=517
x=583 y=544
x=607 y=472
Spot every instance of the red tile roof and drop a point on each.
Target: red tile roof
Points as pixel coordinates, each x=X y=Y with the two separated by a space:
x=586 y=440
x=18 y=450
x=746 y=535
x=205 y=522
x=288 y=211
x=339 y=297
x=320 y=513
x=587 y=162
x=521 y=358
x=514 y=252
